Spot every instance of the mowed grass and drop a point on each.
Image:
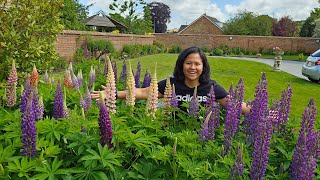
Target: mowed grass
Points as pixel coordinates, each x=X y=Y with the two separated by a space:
x=229 y=71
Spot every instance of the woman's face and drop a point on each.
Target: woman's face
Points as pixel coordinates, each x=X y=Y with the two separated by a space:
x=192 y=67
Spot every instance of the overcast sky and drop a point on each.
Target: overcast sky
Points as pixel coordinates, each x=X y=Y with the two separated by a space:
x=186 y=11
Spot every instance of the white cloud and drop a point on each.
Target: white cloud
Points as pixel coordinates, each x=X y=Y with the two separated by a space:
x=295 y=9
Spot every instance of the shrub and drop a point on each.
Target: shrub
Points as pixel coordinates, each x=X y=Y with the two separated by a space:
x=100 y=46
x=175 y=49
x=217 y=52
x=205 y=49
x=301 y=56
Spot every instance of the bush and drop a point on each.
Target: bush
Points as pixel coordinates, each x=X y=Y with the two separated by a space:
x=301 y=56
x=205 y=49
x=217 y=52
x=100 y=45
x=175 y=49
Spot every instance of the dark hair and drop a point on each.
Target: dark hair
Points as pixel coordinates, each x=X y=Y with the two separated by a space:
x=178 y=69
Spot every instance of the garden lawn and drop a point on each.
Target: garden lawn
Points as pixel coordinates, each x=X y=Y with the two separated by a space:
x=229 y=71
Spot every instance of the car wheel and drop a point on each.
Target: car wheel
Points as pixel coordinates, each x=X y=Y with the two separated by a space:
x=313 y=80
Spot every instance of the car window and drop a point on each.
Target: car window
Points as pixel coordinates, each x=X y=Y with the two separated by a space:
x=316 y=54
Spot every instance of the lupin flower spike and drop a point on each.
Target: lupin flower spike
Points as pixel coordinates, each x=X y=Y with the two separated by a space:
x=123 y=74
x=67 y=79
x=204 y=131
x=111 y=89
x=28 y=128
x=194 y=104
x=146 y=79
x=80 y=78
x=92 y=77
x=34 y=78
x=41 y=108
x=58 y=106
x=12 y=86
x=105 y=124
x=174 y=100
x=167 y=93
x=65 y=107
x=137 y=75
x=131 y=88
x=152 y=101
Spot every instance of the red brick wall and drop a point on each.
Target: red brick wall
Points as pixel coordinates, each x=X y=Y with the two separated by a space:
x=202 y=26
x=246 y=42
x=68 y=41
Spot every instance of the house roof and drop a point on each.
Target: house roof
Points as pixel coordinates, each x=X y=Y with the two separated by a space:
x=103 y=21
x=182 y=27
x=213 y=20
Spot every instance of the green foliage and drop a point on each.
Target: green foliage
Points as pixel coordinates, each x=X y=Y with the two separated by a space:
x=127 y=13
x=175 y=49
x=137 y=50
x=248 y=23
x=27 y=34
x=308 y=26
x=165 y=147
x=73 y=14
x=217 y=52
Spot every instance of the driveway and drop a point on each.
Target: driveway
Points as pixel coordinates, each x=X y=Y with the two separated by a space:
x=291 y=67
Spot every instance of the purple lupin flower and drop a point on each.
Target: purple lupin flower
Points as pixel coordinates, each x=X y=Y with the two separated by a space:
x=204 y=131
x=28 y=128
x=105 y=124
x=259 y=108
x=146 y=80
x=194 y=104
x=174 y=99
x=284 y=106
x=58 y=107
x=123 y=74
x=214 y=107
x=80 y=78
x=87 y=98
x=75 y=82
x=304 y=159
x=237 y=169
x=137 y=75
x=83 y=104
x=35 y=104
x=114 y=68
x=260 y=130
x=230 y=123
x=86 y=51
x=25 y=95
x=12 y=86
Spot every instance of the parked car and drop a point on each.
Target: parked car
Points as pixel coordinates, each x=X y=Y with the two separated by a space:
x=311 y=69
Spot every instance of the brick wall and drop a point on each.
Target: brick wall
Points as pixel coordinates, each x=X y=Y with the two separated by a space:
x=247 y=42
x=68 y=41
x=202 y=26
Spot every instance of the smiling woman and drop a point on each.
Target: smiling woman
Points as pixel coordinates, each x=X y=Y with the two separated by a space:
x=191 y=71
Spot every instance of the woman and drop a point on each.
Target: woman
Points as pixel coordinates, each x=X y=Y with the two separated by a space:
x=191 y=70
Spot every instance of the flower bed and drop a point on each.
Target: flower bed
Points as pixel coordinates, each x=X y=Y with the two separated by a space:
x=80 y=139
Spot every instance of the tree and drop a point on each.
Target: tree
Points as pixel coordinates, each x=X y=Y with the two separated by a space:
x=309 y=24
x=160 y=13
x=73 y=13
x=248 y=23
x=284 y=27
x=129 y=14
x=316 y=32
x=28 y=31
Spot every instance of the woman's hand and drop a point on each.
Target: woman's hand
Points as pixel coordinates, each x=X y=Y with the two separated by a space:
x=96 y=94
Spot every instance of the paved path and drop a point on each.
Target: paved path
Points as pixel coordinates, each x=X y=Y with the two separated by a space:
x=291 y=67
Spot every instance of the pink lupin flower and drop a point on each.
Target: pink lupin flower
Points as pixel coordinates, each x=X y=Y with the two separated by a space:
x=152 y=101
x=67 y=79
x=65 y=107
x=111 y=89
x=34 y=78
x=12 y=86
x=131 y=85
